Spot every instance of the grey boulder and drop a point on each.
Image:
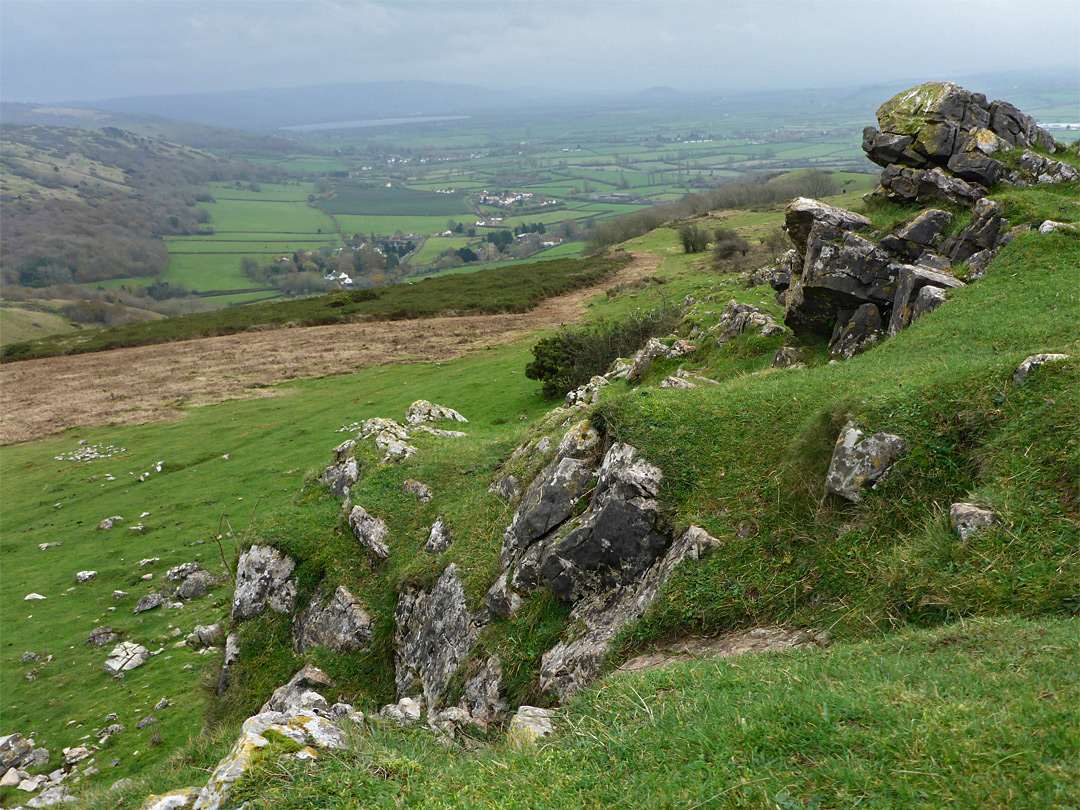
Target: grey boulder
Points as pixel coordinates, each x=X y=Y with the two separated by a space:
x=859 y=461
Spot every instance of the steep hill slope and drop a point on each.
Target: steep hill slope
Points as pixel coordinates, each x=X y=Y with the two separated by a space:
x=466 y=568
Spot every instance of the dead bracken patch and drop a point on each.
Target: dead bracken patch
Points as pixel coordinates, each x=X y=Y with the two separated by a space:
x=144 y=383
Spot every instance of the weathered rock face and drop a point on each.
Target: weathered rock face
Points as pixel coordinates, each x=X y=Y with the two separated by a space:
x=984 y=233
x=843 y=271
x=906 y=307
x=263 y=580
x=206 y=635
x=574 y=662
x=340 y=624
x=930 y=124
x=340 y=477
x=1036 y=169
x=803 y=213
x=618 y=538
x=968 y=520
x=424 y=411
x=232 y=655
x=292 y=695
x=369 y=531
x=124 y=656
x=148 y=602
x=435 y=631
x=196 y=585
x=903 y=184
x=529 y=725
x=550 y=499
x=856 y=331
x=739 y=318
x=858 y=461
x=654 y=350
x=483 y=694
x=422 y=492
x=439 y=538
x=923 y=233
x=101 y=636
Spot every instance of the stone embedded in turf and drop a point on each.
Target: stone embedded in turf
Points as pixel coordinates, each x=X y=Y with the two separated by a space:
x=1030 y=364
x=859 y=461
x=340 y=624
x=369 y=531
x=124 y=656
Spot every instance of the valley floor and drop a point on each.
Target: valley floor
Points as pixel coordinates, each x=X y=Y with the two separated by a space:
x=145 y=383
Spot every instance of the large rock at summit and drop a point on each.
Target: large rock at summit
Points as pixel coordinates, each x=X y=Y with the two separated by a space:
x=843 y=271
x=435 y=632
x=339 y=624
x=263 y=579
x=925 y=125
x=803 y=213
x=551 y=497
x=618 y=538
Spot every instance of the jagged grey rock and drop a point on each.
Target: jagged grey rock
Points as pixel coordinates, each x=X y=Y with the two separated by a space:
x=857 y=331
x=484 y=699
x=617 y=538
x=424 y=411
x=928 y=299
x=982 y=234
x=587 y=394
x=551 y=498
x=290 y=696
x=180 y=572
x=507 y=487
x=838 y=276
x=788 y=357
x=968 y=520
x=923 y=232
x=340 y=624
x=1036 y=169
x=263 y=579
x=502 y=600
x=109 y=522
x=341 y=476
x=859 y=461
x=672 y=381
x=85 y=576
x=912 y=280
x=576 y=661
x=803 y=213
x=15 y=750
x=206 y=635
x=148 y=602
x=1030 y=364
x=124 y=656
x=652 y=351
x=369 y=531
x=978 y=264
x=100 y=636
x=435 y=632
x=903 y=184
x=196 y=585
x=406 y=712
x=738 y=318
x=232 y=655
x=439 y=538
x=421 y=492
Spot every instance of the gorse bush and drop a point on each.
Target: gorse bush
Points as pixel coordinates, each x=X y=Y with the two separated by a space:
x=726 y=243
x=570 y=358
x=694 y=239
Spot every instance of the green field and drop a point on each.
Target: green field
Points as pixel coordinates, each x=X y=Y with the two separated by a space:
x=206 y=272
x=254 y=216
x=362 y=200
x=435 y=245
x=269 y=192
x=388 y=226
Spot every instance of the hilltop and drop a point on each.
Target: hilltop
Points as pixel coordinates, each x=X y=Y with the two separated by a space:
x=440 y=539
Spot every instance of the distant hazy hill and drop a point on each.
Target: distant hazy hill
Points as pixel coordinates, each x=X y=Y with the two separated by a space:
x=198 y=136
x=286 y=106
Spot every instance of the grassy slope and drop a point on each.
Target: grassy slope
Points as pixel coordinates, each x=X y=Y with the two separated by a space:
x=745 y=460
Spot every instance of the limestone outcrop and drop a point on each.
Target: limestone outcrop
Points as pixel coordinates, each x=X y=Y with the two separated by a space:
x=859 y=461
x=263 y=579
x=435 y=632
x=340 y=624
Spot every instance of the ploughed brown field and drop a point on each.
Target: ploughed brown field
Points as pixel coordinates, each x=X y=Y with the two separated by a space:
x=142 y=384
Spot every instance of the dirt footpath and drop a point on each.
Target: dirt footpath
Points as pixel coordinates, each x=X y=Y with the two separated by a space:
x=142 y=384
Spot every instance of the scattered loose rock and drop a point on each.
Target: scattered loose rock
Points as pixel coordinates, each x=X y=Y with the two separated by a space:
x=124 y=656
x=859 y=461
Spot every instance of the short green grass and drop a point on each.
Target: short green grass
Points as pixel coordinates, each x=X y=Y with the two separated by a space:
x=973 y=715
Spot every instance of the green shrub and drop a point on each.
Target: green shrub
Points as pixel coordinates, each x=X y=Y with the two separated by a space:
x=570 y=358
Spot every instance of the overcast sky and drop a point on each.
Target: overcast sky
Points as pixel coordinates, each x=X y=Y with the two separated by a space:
x=93 y=49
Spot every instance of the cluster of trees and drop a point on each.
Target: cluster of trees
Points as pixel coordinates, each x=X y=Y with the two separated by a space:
x=303 y=273
x=745 y=194
x=532 y=227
